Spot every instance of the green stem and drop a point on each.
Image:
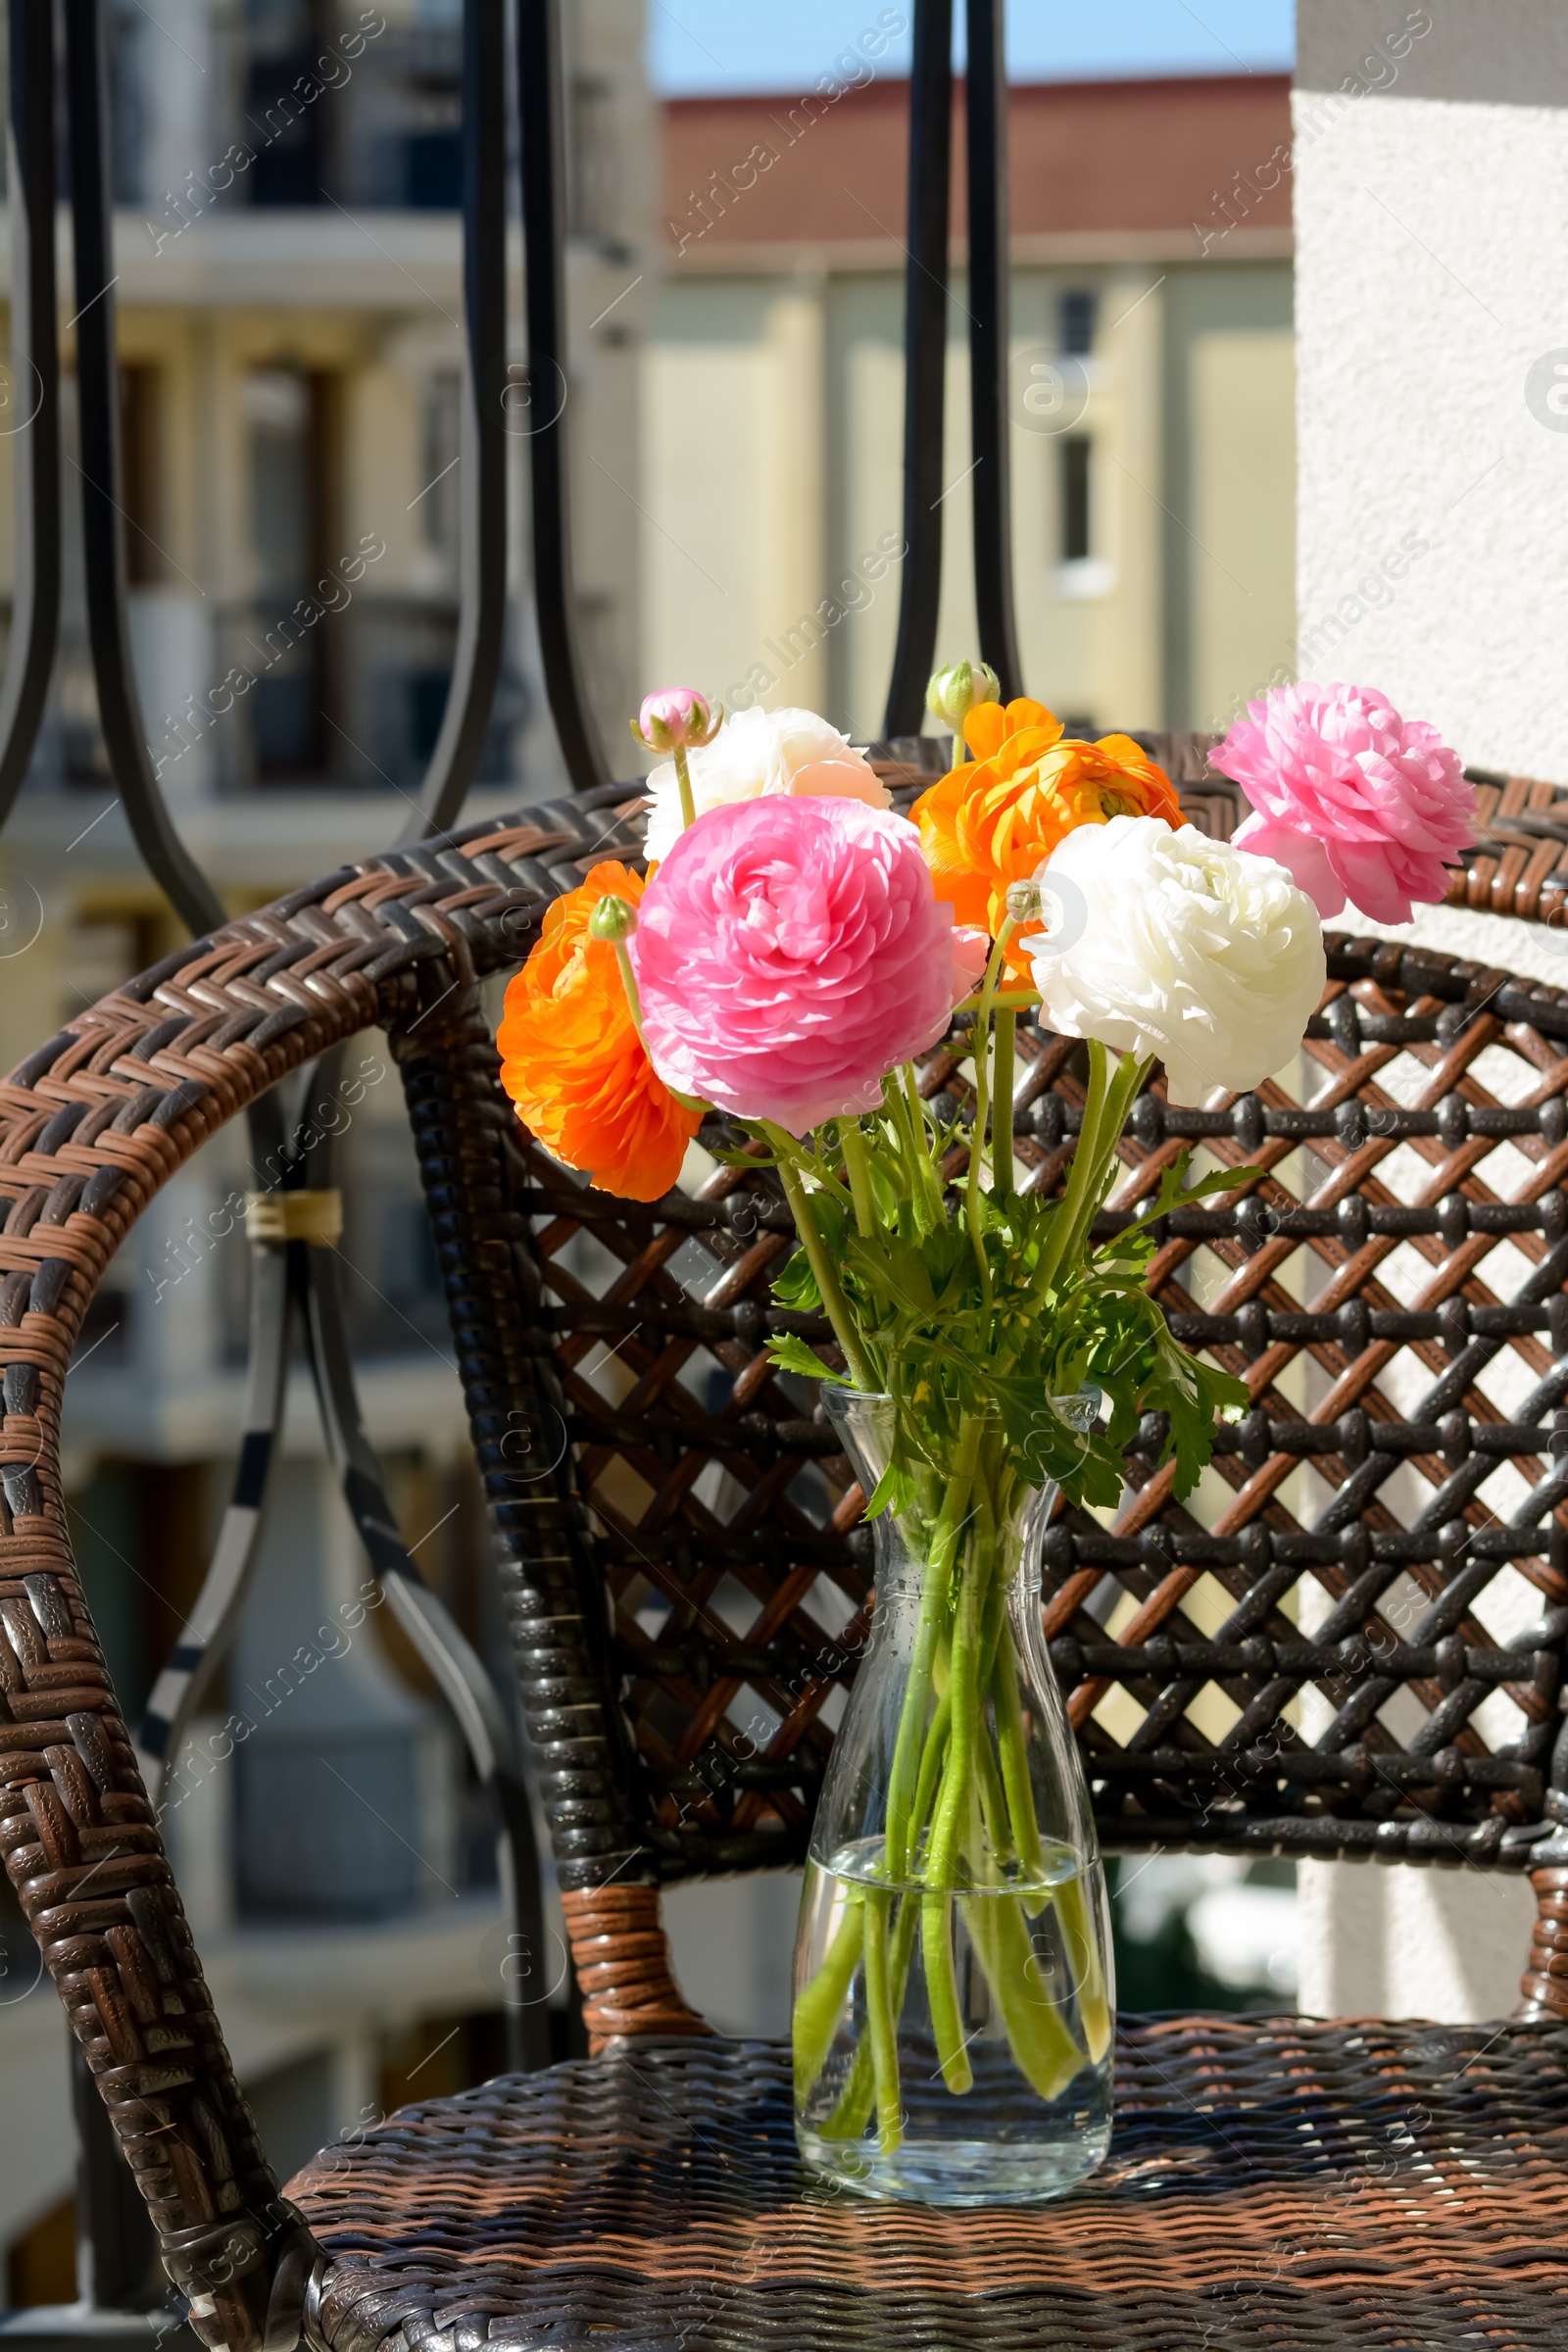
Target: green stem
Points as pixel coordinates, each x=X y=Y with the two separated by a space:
x=834 y=1302
x=963 y=1691
x=821 y=2002
x=881 y=2020
x=688 y=804
x=903 y=1778
x=954 y=1800
x=931 y=1762
x=629 y=981
x=1006 y=999
x=1037 y=2032
x=982 y=1106
x=1013 y=1753
x=976 y=1147
x=942 y=1992
x=856 y=2100
x=930 y=1173
x=858 y=1167
x=1001 y=1110
x=1113 y=1118
x=910 y=1157
x=1080 y=1936
x=1079 y=1175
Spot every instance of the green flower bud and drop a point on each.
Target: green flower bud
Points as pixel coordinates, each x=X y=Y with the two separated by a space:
x=612 y=919
x=954 y=692
x=1025 y=901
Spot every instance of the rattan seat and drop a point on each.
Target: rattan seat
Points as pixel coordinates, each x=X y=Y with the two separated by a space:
x=1312 y=1664
x=1273 y=2181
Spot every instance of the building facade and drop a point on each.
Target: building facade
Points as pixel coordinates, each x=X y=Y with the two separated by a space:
x=1150 y=391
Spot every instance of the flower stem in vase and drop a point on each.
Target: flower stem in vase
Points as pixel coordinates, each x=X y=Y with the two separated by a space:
x=1094 y=2004
x=816 y=2011
x=881 y=2020
x=954 y=1803
x=906 y=1773
x=1019 y=1796
x=1036 y=2033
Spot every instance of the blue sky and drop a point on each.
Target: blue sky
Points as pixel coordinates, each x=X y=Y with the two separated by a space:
x=701 y=47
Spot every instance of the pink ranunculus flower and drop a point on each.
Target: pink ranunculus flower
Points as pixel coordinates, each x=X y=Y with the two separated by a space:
x=1353 y=801
x=789 y=952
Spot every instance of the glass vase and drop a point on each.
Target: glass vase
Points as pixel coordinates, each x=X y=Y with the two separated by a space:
x=954 y=1998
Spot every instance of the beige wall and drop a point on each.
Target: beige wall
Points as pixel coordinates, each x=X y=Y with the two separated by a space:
x=773 y=457
x=1230 y=437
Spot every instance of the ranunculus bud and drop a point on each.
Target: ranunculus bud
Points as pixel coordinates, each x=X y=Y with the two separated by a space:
x=954 y=692
x=613 y=920
x=676 y=718
x=1025 y=901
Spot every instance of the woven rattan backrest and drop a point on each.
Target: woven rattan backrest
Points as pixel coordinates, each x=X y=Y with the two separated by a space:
x=1350 y=1642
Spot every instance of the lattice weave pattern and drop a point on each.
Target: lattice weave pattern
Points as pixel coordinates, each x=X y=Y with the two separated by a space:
x=1349 y=1640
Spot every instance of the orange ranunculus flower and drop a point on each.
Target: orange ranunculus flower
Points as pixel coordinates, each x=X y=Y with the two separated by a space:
x=995 y=819
x=573 y=1064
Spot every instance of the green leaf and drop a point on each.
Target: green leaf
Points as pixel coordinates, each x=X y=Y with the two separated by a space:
x=791 y=1353
x=1176 y=1193
x=894 y=1491
x=795 y=1285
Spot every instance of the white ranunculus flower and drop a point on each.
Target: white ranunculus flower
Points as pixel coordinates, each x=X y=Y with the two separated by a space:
x=760 y=752
x=1169 y=943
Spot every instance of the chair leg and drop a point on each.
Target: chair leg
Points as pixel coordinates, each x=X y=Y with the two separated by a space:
x=622 y=1958
x=1544 y=1986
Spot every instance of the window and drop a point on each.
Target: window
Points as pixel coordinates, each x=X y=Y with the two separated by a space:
x=429 y=98
x=1077 y=322
x=284 y=124
x=1075 y=517
x=289 y=415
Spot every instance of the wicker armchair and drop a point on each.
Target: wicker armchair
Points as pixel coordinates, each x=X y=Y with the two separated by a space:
x=1349 y=1645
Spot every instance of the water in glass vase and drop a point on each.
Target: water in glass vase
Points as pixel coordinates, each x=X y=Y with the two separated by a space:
x=953 y=1999
x=1020 y=2107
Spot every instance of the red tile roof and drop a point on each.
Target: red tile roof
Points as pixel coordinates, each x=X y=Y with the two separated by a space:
x=1138 y=163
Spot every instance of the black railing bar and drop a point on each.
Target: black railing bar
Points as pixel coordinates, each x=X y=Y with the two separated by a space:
x=113 y=2232
x=990 y=311
x=454 y=1664
x=456 y=1667
x=35 y=394
x=925 y=352
x=482 y=471
x=544 y=224
x=204 y=1638
x=102 y=494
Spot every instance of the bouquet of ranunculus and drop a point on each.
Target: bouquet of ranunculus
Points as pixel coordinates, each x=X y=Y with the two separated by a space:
x=794 y=950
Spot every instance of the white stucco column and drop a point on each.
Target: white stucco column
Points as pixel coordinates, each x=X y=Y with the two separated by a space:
x=1431 y=318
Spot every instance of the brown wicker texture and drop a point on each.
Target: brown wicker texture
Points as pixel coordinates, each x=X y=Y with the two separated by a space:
x=1273 y=2182
x=1348 y=1643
